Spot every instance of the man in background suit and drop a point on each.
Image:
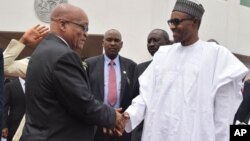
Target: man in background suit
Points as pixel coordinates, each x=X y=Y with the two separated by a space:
x=243 y=112
x=156 y=38
x=98 y=71
x=59 y=104
x=1 y=87
x=14 y=107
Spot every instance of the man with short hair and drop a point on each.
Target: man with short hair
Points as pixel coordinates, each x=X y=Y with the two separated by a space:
x=59 y=105
x=192 y=89
x=156 y=38
x=102 y=81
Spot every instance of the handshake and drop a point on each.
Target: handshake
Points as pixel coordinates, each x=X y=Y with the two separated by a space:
x=121 y=120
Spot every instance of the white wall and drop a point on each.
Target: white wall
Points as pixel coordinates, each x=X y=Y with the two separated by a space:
x=224 y=20
x=227 y=21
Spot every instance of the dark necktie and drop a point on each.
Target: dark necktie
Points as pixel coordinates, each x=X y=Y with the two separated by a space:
x=112 y=89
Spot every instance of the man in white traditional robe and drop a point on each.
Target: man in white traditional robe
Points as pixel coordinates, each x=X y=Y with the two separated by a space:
x=191 y=90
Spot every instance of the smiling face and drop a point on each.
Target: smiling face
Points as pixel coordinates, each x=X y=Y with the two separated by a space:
x=76 y=35
x=70 y=23
x=184 y=31
x=112 y=43
x=155 y=40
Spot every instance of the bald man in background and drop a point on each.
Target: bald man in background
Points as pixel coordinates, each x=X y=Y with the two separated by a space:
x=99 y=72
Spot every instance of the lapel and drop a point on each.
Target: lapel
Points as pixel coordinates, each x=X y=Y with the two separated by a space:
x=18 y=88
x=124 y=78
x=86 y=77
x=100 y=77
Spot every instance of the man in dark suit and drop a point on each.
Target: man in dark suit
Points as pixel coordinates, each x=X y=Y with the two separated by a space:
x=99 y=68
x=14 y=107
x=59 y=105
x=1 y=87
x=156 y=38
x=243 y=113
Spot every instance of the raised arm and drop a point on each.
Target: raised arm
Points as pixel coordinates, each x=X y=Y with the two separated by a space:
x=30 y=38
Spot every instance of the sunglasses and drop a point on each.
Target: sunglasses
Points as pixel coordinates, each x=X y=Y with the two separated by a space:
x=176 y=22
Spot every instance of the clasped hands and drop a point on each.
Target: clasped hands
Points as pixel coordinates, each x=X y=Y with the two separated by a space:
x=121 y=120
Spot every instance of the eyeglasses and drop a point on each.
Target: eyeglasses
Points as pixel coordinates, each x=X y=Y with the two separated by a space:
x=83 y=26
x=176 y=22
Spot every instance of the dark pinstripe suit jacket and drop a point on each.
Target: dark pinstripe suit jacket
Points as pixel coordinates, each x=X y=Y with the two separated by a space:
x=59 y=105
